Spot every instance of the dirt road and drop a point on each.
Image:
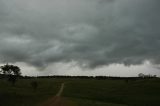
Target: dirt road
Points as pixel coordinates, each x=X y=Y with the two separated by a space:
x=58 y=100
x=60 y=91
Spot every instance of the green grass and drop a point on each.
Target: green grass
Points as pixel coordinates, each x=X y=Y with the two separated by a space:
x=22 y=94
x=84 y=92
x=87 y=102
x=135 y=93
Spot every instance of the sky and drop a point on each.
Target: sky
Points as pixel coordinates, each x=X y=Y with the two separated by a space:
x=81 y=37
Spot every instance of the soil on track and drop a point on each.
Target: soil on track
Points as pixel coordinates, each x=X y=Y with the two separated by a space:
x=58 y=100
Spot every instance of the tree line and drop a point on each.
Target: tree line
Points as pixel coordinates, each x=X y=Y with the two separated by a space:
x=13 y=72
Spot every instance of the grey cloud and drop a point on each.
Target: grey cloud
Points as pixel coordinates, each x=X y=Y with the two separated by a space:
x=90 y=32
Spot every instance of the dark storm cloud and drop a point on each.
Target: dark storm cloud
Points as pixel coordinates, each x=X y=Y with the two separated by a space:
x=90 y=32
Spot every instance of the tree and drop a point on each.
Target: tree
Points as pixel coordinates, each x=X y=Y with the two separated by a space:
x=13 y=72
x=34 y=85
x=141 y=75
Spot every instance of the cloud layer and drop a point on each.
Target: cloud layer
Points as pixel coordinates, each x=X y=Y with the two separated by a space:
x=90 y=32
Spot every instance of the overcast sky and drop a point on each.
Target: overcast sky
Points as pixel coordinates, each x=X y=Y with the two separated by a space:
x=81 y=37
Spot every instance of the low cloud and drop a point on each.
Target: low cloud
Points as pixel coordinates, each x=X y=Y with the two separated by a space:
x=91 y=33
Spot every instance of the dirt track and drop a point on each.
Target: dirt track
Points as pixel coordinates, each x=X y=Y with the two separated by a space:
x=58 y=100
x=60 y=91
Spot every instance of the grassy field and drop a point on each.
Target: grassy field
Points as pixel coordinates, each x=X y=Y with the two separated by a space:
x=116 y=92
x=22 y=94
x=83 y=92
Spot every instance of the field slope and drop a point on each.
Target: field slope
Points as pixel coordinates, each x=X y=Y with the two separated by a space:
x=81 y=92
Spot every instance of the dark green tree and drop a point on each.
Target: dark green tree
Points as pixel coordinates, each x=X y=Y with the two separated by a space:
x=13 y=72
x=34 y=85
